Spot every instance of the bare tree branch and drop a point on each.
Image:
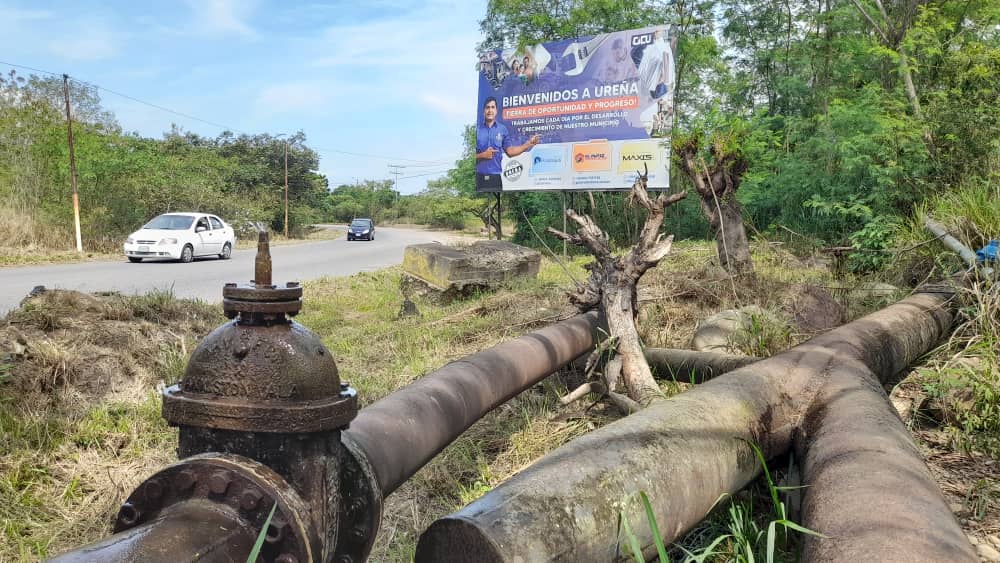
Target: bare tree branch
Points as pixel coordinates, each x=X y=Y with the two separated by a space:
x=871 y=21
x=582 y=391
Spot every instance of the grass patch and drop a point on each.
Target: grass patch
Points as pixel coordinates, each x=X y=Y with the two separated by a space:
x=67 y=467
x=752 y=525
x=962 y=376
x=80 y=422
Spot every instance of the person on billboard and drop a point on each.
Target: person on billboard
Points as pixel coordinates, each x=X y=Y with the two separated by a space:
x=656 y=66
x=616 y=65
x=529 y=69
x=491 y=138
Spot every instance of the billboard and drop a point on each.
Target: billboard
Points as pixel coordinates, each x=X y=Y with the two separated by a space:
x=578 y=114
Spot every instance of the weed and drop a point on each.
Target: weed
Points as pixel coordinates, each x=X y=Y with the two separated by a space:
x=739 y=536
x=257 y=545
x=763 y=336
x=58 y=364
x=981 y=494
x=964 y=376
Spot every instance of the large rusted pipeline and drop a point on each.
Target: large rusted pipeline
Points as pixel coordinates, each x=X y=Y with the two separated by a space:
x=219 y=537
x=403 y=431
x=868 y=489
x=687 y=451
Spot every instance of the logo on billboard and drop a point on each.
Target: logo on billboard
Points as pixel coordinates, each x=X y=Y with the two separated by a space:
x=547 y=160
x=642 y=39
x=594 y=156
x=512 y=171
x=635 y=154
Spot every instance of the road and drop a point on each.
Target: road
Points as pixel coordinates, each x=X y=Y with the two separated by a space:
x=203 y=278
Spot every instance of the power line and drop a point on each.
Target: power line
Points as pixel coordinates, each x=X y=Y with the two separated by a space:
x=222 y=126
x=424 y=162
x=29 y=68
x=168 y=110
x=425 y=174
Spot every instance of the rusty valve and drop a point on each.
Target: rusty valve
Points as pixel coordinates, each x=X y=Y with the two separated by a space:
x=263 y=387
x=261 y=372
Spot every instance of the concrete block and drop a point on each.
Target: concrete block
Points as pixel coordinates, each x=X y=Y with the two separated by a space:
x=482 y=265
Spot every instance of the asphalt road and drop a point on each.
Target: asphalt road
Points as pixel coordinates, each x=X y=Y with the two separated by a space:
x=203 y=278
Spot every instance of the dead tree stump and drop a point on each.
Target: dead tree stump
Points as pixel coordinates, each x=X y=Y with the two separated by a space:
x=612 y=286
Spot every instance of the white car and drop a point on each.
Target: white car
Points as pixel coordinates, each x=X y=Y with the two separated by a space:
x=181 y=236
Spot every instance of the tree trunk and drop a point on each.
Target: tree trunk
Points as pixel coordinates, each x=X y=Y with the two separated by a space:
x=638 y=378
x=892 y=38
x=716 y=187
x=731 y=240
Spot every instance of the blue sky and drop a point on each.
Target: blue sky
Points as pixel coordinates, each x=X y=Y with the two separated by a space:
x=388 y=78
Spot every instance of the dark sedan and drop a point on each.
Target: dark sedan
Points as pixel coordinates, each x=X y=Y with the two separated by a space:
x=361 y=229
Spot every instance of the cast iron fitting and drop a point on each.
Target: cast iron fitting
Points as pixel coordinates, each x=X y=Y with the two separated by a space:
x=261 y=302
x=261 y=372
x=233 y=484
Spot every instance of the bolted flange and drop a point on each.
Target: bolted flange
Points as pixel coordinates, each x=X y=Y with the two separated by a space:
x=227 y=482
x=361 y=507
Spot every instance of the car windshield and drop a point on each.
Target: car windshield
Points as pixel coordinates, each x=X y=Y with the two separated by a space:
x=170 y=223
x=358 y=223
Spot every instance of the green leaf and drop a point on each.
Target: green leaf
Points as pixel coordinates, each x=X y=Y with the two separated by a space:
x=657 y=537
x=798 y=528
x=255 y=552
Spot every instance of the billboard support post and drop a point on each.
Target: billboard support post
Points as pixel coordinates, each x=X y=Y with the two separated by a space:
x=499 y=219
x=564 y=220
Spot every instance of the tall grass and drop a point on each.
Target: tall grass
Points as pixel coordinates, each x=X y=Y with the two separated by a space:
x=743 y=536
x=964 y=374
x=19 y=228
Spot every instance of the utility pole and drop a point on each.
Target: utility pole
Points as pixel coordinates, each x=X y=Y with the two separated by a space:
x=72 y=166
x=286 y=188
x=394 y=169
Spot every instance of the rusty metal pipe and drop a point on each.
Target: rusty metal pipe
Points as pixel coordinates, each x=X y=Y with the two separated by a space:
x=403 y=431
x=691 y=366
x=869 y=491
x=218 y=536
x=685 y=453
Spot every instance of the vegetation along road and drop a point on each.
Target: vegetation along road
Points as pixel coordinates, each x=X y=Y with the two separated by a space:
x=203 y=278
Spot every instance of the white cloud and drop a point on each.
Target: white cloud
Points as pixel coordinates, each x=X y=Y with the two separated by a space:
x=97 y=44
x=427 y=43
x=293 y=97
x=421 y=56
x=223 y=17
x=454 y=107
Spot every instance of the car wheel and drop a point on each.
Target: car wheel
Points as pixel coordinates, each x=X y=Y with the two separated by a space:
x=371 y=236
x=187 y=254
x=227 y=252
x=134 y=259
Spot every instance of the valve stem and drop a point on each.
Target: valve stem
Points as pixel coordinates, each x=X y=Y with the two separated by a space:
x=262 y=263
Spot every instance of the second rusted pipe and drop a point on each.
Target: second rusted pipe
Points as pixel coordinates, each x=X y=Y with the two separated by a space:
x=687 y=451
x=403 y=431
